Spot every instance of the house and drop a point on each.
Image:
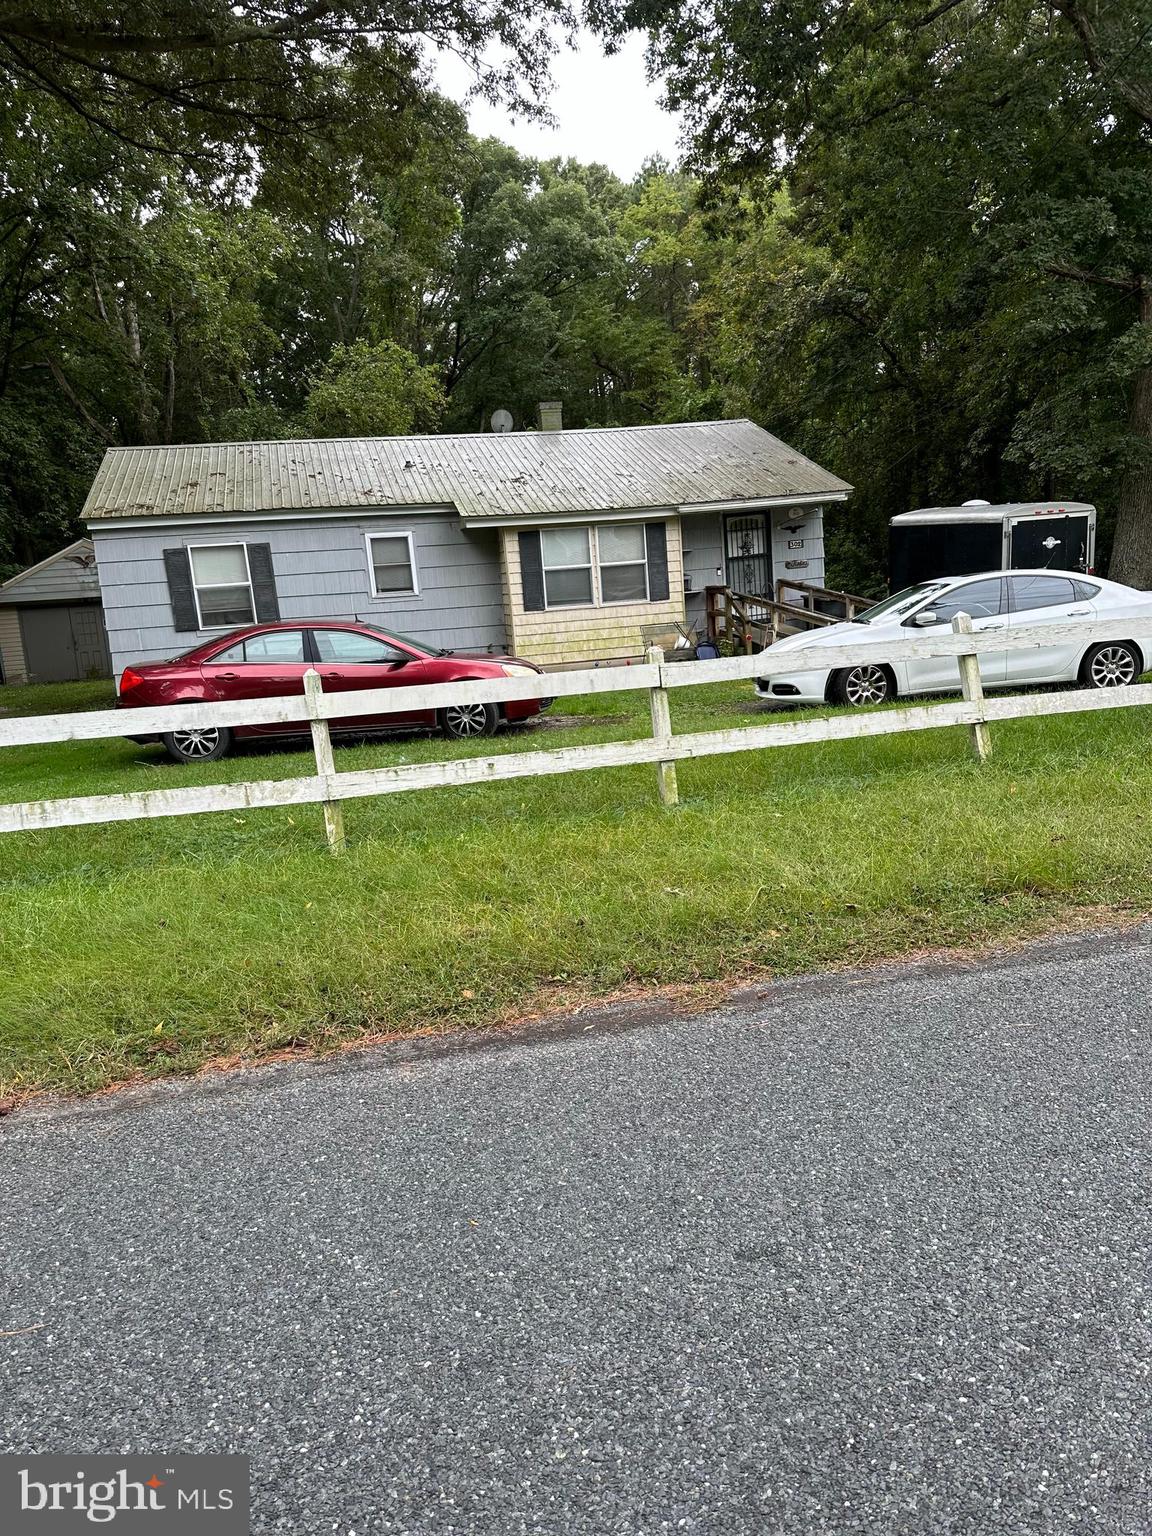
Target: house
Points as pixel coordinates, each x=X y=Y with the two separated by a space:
x=51 y=623
x=558 y=545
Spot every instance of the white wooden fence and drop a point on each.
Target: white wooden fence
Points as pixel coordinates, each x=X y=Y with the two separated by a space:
x=329 y=788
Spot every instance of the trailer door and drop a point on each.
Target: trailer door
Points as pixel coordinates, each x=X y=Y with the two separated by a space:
x=1053 y=543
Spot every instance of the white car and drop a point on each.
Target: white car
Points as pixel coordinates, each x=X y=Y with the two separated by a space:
x=997 y=600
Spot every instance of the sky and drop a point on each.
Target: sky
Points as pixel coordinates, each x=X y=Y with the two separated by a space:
x=606 y=109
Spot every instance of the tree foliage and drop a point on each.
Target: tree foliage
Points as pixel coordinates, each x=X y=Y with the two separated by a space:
x=915 y=240
x=373 y=391
x=213 y=79
x=967 y=260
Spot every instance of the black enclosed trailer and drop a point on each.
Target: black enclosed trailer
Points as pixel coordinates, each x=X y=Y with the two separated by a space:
x=958 y=541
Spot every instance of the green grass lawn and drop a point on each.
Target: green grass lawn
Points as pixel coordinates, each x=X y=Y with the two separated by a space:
x=150 y=947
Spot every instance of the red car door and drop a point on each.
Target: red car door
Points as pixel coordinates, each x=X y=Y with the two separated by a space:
x=261 y=666
x=352 y=661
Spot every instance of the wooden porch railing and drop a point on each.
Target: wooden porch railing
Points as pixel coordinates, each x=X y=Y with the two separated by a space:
x=751 y=621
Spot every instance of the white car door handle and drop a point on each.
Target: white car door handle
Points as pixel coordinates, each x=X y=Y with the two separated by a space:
x=1078 y=613
x=984 y=628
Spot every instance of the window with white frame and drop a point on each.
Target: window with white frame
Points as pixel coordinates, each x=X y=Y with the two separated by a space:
x=222 y=582
x=623 y=559
x=392 y=563
x=566 y=554
x=594 y=566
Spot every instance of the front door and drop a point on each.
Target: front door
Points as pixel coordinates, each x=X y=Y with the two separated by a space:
x=1049 y=543
x=747 y=553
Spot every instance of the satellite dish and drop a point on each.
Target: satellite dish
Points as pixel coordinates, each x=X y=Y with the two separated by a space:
x=501 y=421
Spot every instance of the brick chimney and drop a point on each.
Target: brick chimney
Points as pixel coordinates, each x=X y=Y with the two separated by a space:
x=550 y=416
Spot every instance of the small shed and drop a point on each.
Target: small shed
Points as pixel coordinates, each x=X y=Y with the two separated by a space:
x=52 y=622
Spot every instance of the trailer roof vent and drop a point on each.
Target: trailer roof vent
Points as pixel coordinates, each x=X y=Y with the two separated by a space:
x=976 y=503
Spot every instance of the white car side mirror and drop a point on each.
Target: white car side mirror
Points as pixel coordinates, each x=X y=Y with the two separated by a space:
x=925 y=617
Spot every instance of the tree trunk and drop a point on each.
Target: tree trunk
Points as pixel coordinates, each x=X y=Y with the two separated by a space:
x=1131 y=560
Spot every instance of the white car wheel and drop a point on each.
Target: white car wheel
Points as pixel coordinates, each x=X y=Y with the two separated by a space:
x=863 y=684
x=1110 y=666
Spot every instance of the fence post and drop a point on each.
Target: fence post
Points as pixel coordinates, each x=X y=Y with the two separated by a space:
x=325 y=766
x=662 y=731
x=973 y=689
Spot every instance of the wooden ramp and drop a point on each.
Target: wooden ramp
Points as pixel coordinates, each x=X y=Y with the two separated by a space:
x=751 y=621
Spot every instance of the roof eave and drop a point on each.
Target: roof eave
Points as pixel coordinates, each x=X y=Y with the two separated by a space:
x=761 y=503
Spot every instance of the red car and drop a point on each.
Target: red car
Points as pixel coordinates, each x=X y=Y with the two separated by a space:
x=268 y=660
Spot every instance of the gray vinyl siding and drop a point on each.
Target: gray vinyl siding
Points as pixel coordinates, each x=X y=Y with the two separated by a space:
x=321 y=570
x=803 y=525
x=703 y=535
x=703 y=553
x=62 y=580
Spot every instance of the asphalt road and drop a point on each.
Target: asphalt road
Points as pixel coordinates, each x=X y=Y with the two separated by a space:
x=861 y=1255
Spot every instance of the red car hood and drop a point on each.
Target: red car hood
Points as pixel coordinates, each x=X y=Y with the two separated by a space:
x=512 y=661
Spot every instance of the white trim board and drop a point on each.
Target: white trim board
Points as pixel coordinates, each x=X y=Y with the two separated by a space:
x=414 y=589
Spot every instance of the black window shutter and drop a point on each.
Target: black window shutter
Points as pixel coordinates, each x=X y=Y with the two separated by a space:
x=531 y=572
x=178 y=570
x=656 y=540
x=263 y=583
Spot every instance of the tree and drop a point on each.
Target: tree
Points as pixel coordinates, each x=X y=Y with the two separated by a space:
x=201 y=78
x=373 y=391
x=979 y=179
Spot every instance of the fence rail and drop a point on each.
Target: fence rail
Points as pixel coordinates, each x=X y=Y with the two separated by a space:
x=330 y=788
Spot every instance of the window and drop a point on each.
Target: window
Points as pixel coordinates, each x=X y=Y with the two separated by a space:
x=567 y=557
x=222 y=584
x=623 y=563
x=352 y=646
x=616 y=552
x=978 y=599
x=393 y=564
x=279 y=647
x=1085 y=591
x=1041 y=592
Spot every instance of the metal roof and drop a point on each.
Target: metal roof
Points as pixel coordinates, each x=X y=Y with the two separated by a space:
x=981 y=512
x=481 y=475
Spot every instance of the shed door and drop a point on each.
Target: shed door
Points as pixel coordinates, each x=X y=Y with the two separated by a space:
x=1054 y=543
x=747 y=553
x=64 y=643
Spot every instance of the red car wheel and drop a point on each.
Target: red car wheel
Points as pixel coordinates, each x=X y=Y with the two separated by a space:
x=464 y=722
x=197 y=745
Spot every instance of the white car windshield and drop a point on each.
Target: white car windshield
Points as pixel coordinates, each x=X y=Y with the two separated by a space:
x=899 y=602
